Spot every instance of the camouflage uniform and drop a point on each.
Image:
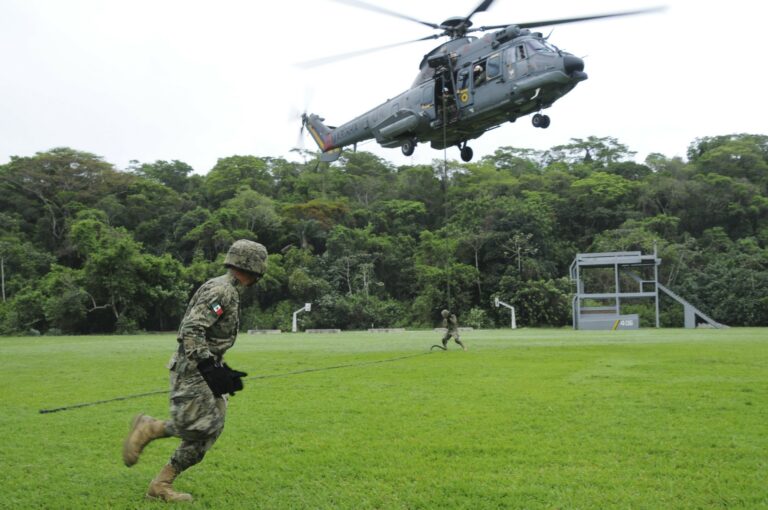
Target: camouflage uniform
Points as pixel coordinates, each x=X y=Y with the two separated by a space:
x=209 y=328
x=451 y=325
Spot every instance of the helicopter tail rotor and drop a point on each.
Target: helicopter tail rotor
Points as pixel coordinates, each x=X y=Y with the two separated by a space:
x=322 y=135
x=301 y=115
x=300 y=138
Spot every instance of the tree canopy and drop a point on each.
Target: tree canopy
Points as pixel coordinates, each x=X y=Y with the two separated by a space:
x=86 y=247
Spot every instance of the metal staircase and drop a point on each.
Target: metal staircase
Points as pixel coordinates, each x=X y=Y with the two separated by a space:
x=690 y=311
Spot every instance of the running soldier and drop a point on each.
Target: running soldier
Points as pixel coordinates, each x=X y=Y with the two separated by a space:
x=200 y=382
x=451 y=325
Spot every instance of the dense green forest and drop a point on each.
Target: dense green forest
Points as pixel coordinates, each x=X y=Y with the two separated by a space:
x=86 y=247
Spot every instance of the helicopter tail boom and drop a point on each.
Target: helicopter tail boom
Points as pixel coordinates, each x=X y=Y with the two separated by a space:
x=321 y=133
x=323 y=137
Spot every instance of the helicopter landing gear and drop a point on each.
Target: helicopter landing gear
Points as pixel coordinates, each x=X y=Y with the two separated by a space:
x=466 y=152
x=540 y=121
x=408 y=147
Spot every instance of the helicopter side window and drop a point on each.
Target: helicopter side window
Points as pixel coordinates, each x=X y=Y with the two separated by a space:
x=493 y=67
x=479 y=73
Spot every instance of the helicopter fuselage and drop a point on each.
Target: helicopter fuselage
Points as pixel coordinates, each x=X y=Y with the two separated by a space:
x=464 y=88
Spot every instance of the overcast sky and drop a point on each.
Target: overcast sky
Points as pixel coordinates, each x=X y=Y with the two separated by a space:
x=198 y=80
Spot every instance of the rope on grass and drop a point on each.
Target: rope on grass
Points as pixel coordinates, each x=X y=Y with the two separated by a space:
x=96 y=402
x=255 y=377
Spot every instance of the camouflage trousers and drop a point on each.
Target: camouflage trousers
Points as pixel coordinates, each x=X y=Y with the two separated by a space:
x=451 y=333
x=197 y=416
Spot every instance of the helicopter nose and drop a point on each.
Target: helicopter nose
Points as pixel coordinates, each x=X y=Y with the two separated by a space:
x=572 y=64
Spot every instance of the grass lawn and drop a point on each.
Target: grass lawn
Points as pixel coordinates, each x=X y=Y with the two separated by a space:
x=550 y=419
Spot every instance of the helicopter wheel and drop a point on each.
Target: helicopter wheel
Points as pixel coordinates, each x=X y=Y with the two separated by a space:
x=540 y=121
x=466 y=154
x=408 y=147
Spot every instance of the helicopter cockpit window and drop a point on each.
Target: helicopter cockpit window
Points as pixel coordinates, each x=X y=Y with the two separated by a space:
x=537 y=45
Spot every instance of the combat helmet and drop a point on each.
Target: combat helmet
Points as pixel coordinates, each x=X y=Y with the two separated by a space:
x=248 y=256
x=445 y=314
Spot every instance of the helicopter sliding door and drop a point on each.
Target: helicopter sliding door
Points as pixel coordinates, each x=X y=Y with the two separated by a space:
x=485 y=72
x=463 y=79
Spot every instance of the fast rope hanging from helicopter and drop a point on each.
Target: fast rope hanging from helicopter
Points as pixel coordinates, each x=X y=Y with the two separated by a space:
x=444 y=98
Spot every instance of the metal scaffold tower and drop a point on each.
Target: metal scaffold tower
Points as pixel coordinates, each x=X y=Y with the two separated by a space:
x=604 y=280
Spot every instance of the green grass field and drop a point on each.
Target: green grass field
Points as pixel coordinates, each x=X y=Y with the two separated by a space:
x=550 y=419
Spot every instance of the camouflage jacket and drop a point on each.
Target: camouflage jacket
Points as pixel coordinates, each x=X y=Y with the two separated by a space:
x=212 y=319
x=451 y=323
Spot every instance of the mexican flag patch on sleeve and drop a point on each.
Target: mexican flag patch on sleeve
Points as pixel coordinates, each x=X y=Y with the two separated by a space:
x=217 y=309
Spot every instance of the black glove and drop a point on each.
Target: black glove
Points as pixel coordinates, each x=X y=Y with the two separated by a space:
x=220 y=378
x=236 y=377
x=216 y=376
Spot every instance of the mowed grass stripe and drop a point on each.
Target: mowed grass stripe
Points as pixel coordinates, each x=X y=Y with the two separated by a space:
x=524 y=419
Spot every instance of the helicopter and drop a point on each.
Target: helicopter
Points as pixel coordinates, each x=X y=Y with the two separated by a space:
x=464 y=87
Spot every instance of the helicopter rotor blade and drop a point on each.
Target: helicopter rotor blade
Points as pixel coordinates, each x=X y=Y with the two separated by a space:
x=299 y=114
x=343 y=56
x=300 y=138
x=482 y=7
x=376 y=8
x=536 y=24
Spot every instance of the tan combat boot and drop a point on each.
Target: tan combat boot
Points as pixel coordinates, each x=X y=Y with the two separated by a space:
x=162 y=486
x=143 y=430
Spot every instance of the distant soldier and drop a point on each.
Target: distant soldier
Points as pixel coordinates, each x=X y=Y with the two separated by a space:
x=200 y=381
x=451 y=325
